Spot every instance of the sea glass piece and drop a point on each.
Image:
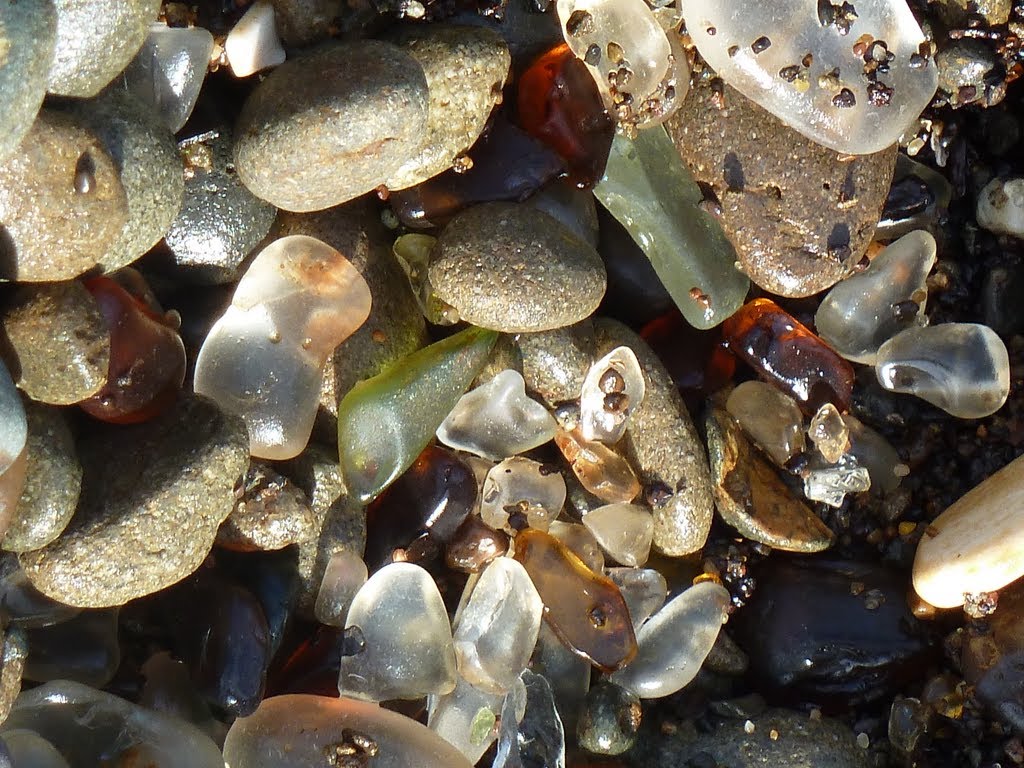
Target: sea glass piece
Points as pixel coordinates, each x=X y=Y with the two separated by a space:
x=466 y=718
x=786 y=354
x=344 y=576
x=624 y=531
x=568 y=674
x=22 y=605
x=540 y=736
x=385 y=422
x=612 y=390
x=643 y=589
x=94 y=728
x=497 y=628
x=653 y=195
x=253 y=44
x=263 y=359
x=830 y=483
x=400 y=638
x=599 y=469
x=474 y=545
x=1000 y=206
x=876 y=455
x=829 y=433
x=27 y=748
x=962 y=368
x=169 y=69
x=867 y=309
x=497 y=420
x=673 y=644
x=412 y=251
x=13 y=456
x=303 y=731
x=84 y=649
x=771 y=418
x=519 y=492
x=581 y=541
x=584 y=609
x=849 y=76
x=918 y=197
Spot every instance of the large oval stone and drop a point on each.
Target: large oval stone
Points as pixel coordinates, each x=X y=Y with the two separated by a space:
x=27 y=33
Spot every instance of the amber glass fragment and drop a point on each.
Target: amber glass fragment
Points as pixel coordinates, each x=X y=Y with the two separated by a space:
x=474 y=545
x=585 y=610
x=694 y=359
x=559 y=104
x=147 y=358
x=788 y=355
x=599 y=469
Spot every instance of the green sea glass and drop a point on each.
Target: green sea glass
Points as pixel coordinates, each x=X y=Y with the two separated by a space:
x=652 y=194
x=386 y=421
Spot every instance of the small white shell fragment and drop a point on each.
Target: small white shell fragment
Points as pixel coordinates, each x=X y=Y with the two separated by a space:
x=264 y=358
x=613 y=388
x=962 y=368
x=977 y=544
x=497 y=420
x=624 y=531
x=524 y=484
x=852 y=77
x=1001 y=207
x=253 y=43
x=496 y=630
x=344 y=576
x=771 y=418
x=400 y=627
x=672 y=644
x=867 y=309
x=643 y=589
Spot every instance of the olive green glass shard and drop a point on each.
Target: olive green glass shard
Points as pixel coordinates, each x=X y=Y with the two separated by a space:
x=654 y=196
x=386 y=421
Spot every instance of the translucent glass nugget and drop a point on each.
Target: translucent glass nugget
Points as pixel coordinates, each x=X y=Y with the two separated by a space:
x=263 y=359
x=829 y=433
x=599 y=469
x=865 y=310
x=13 y=456
x=466 y=718
x=850 y=76
x=398 y=639
x=624 y=531
x=612 y=390
x=771 y=418
x=829 y=483
x=962 y=368
x=643 y=589
x=497 y=420
x=520 y=491
x=344 y=576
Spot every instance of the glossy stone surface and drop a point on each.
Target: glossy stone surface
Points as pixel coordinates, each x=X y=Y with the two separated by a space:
x=521 y=491
x=770 y=418
x=385 y=421
x=610 y=720
x=13 y=443
x=867 y=309
x=25 y=747
x=497 y=420
x=613 y=389
x=624 y=531
x=1001 y=207
x=876 y=454
x=829 y=433
x=863 y=107
x=962 y=368
x=652 y=193
x=344 y=576
x=584 y=609
x=578 y=538
x=475 y=544
x=264 y=358
x=299 y=730
x=600 y=470
x=388 y=660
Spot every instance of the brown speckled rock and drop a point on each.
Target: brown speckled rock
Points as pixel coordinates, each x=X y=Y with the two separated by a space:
x=272 y=514
x=12 y=665
x=514 y=269
x=799 y=215
x=153 y=496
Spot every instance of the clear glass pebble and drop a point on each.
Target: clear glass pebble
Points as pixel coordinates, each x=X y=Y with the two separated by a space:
x=1000 y=207
x=13 y=456
x=344 y=576
x=29 y=749
x=771 y=418
x=568 y=674
x=876 y=454
x=613 y=388
x=539 y=739
x=466 y=718
x=643 y=589
x=401 y=641
x=624 y=531
x=849 y=76
x=867 y=309
x=673 y=644
x=253 y=44
x=413 y=254
x=497 y=420
x=581 y=541
x=829 y=433
x=264 y=358
x=496 y=630
x=829 y=483
x=599 y=469
x=962 y=368
x=521 y=487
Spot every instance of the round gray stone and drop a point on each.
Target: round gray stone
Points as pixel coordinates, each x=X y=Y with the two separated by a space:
x=610 y=720
x=53 y=481
x=60 y=341
x=96 y=39
x=153 y=496
x=61 y=202
x=515 y=269
x=28 y=30
x=555 y=363
x=329 y=126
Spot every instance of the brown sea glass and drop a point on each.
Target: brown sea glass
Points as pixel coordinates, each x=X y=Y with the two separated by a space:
x=696 y=360
x=586 y=610
x=599 y=469
x=474 y=545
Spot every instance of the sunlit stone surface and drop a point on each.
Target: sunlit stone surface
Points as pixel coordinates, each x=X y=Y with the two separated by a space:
x=829 y=433
x=253 y=43
x=624 y=531
x=612 y=390
x=344 y=576
x=850 y=76
x=867 y=309
x=497 y=420
x=771 y=418
x=643 y=589
x=674 y=642
x=1001 y=206
x=521 y=488
x=962 y=368
x=401 y=641
x=497 y=628
x=263 y=359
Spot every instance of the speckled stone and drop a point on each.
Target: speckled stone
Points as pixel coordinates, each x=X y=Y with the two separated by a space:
x=515 y=269
x=150 y=167
x=555 y=363
x=302 y=22
x=329 y=126
x=153 y=496
x=663 y=446
x=466 y=69
x=799 y=215
x=53 y=481
x=272 y=513
x=610 y=720
x=504 y=356
x=96 y=39
x=51 y=230
x=12 y=665
x=60 y=342
x=28 y=30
